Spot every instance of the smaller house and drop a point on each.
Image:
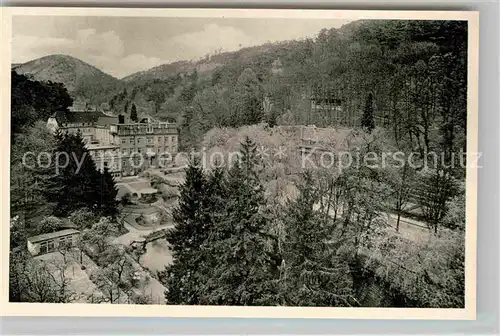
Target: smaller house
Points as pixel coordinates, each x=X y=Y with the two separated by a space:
x=49 y=242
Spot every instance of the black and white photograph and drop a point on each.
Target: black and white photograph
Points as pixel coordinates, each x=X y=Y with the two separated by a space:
x=241 y=160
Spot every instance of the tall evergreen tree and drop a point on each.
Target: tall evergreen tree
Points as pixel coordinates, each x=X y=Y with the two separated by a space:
x=125 y=107
x=187 y=237
x=249 y=98
x=54 y=182
x=107 y=191
x=133 y=113
x=244 y=275
x=215 y=200
x=313 y=274
x=73 y=177
x=367 y=121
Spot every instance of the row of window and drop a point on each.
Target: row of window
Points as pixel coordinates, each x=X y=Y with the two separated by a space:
x=89 y=130
x=149 y=140
x=76 y=124
x=51 y=245
x=167 y=149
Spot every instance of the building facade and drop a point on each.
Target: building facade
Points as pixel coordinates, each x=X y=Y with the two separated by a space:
x=51 y=242
x=143 y=145
x=124 y=148
x=93 y=126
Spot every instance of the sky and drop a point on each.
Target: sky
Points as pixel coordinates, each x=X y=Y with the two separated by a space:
x=121 y=46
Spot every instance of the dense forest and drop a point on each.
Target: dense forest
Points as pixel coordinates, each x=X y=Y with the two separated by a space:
x=252 y=234
x=414 y=72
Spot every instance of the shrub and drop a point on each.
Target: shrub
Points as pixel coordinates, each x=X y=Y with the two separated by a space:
x=168 y=191
x=140 y=219
x=126 y=199
x=148 y=198
x=156 y=181
x=49 y=224
x=83 y=218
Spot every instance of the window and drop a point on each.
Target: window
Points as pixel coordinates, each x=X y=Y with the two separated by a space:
x=124 y=141
x=138 y=150
x=131 y=140
x=51 y=246
x=150 y=140
x=124 y=151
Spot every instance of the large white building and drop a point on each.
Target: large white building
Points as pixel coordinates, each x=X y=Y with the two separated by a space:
x=111 y=142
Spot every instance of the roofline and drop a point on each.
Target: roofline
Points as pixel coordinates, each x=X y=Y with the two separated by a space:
x=56 y=234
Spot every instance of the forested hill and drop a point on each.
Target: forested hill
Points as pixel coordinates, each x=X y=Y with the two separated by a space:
x=210 y=62
x=167 y=90
x=84 y=82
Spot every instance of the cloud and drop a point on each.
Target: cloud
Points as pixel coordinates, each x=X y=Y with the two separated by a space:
x=212 y=38
x=121 y=67
x=102 y=50
x=105 y=44
x=25 y=48
x=141 y=62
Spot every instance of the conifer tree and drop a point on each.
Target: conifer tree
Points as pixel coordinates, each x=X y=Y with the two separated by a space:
x=125 y=107
x=217 y=196
x=244 y=274
x=73 y=178
x=314 y=276
x=186 y=237
x=107 y=191
x=213 y=212
x=133 y=113
x=367 y=121
x=249 y=97
x=53 y=183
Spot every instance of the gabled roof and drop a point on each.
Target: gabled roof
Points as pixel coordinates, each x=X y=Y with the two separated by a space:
x=99 y=118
